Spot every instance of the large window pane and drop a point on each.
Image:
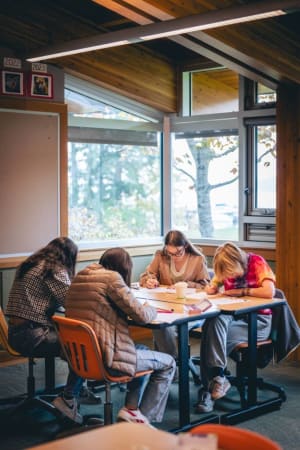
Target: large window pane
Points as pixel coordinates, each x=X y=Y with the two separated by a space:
x=205 y=186
x=114 y=190
x=265 y=167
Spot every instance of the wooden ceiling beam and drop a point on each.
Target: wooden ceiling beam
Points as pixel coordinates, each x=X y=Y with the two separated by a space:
x=125 y=11
x=202 y=44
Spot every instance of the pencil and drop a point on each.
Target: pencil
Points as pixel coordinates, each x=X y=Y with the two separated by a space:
x=162 y=310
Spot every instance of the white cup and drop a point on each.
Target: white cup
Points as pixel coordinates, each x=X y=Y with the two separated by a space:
x=180 y=288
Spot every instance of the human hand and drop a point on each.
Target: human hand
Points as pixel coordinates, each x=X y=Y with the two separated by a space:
x=210 y=289
x=152 y=283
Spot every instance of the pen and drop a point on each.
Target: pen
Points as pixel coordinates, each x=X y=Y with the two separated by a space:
x=162 y=310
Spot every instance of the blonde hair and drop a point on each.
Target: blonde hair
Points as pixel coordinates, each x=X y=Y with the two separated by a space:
x=229 y=261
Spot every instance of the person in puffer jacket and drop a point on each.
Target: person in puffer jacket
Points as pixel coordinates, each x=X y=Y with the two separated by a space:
x=100 y=295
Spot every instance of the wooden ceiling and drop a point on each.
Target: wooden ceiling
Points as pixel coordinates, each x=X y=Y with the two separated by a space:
x=266 y=50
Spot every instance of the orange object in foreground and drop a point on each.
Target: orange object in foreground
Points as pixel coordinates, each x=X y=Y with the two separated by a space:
x=233 y=438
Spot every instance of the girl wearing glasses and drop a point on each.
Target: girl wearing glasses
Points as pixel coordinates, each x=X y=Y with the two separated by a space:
x=179 y=260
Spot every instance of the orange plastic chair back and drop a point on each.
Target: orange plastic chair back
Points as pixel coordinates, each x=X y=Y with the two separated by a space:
x=232 y=438
x=82 y=350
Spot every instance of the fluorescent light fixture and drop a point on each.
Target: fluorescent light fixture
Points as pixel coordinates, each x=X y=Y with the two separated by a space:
x=75 y=51
x=208 y=26
x=205 y=21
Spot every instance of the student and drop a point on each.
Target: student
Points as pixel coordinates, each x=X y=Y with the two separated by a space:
x=179 y=260
x=100 y=295
x=39 y=289
x=238 y=273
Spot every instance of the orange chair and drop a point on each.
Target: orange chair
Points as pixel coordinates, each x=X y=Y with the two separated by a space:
x=82 y=350
x=232 y=438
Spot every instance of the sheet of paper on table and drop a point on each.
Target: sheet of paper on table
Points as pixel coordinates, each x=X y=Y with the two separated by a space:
x=217 y=300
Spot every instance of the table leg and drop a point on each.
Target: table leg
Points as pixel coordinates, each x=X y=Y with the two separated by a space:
x=252 y=349
x=183 y=367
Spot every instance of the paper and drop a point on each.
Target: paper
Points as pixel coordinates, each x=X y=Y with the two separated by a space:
x=167 y=317
x=226 y=300
x=196 y=296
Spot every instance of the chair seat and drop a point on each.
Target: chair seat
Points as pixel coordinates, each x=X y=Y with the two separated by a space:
x=258 y=344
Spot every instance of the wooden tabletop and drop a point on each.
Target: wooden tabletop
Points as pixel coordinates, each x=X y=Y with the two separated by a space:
x=166 y=298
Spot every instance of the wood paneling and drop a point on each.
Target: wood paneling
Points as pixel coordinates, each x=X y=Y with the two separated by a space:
x=131 y=70
x=215 y=91
x=146 y=72
x=288 y=210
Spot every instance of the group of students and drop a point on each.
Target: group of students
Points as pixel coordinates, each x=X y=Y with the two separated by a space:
x=101 y=295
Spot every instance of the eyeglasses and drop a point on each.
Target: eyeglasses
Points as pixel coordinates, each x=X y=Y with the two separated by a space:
x=180 y=252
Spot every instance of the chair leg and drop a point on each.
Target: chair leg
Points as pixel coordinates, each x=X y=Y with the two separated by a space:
x=108 y=408
x=32 y=400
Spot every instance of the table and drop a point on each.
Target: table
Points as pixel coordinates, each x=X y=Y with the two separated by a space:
x=166 y=298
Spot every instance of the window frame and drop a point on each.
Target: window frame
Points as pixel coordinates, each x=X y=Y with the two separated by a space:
x=173 y=123
x=250 y=188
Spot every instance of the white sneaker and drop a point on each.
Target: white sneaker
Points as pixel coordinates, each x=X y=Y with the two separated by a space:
x=68 y=408
x=218 y=387
x=132 y=416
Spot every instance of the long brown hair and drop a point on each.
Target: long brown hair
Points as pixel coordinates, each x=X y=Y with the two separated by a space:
x=60 y=252
x=119 y=260
x=177 y=239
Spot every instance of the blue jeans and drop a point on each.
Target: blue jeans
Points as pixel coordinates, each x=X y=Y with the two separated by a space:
x=150 y=394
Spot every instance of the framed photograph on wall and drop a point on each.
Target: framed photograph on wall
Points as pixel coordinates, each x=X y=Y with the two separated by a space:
x=12 y=83
x=41 y=85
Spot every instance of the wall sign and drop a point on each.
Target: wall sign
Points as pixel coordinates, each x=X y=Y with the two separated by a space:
x=39 y=67
x=13 y=63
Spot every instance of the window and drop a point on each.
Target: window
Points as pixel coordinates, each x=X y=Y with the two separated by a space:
x=265 y=94
x=205 y=185
x=114 y=168
x=224 y=175
x=258 y=96
x=110 y=185
x=215 y=179
x=210 y=91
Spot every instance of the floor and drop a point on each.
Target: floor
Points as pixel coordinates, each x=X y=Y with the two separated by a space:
x=36 y=427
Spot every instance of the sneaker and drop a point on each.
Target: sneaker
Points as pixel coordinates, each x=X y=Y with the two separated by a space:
x=218 y=387
x=87 y=397
x=133 y=416
x=68 y=408
x=205 y=403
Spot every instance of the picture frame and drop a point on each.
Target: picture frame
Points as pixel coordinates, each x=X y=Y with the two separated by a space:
x=41 y=85
x=12 y=83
